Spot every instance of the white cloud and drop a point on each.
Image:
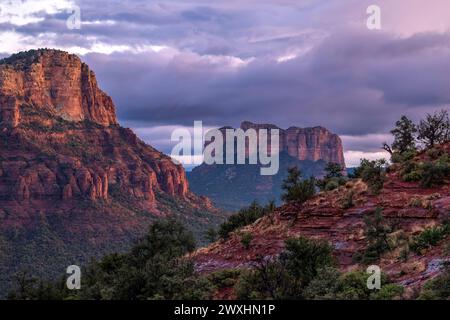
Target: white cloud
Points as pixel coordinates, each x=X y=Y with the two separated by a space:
x=23 y=12
x=352 y=158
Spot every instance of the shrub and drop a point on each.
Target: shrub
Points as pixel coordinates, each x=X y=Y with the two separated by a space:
x=430 y=237
x=412 y=176
x=288 y=275
x=389 y=291
x=372 y=173
x=246 y=239
x=437 y=288
x=268 y=279
x=434 y=153
x=324 y=285
x=333 y=179
x=331 y=185
x=347 y=201
x=433 y=174
x=333 y=170
x=353 y=286
x=211 y=235
x=404 y=254
x=304 y=257
x=224 y=278
x=244 y=217
x=330 y=284
x=416 y=202
x=403 y=157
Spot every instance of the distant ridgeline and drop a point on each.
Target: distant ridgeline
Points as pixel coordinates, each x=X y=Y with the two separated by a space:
x=233 y=186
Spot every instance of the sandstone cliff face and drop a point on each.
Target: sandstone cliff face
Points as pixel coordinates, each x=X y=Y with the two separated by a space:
x=55 y=81
x=62 y=140
x=313 y=144
x=73 y=183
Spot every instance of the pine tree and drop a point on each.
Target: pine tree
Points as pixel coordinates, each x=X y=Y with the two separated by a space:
x=404 y=135
x=295 y=189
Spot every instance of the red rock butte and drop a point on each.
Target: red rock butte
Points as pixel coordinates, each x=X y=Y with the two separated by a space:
x=64 y=130
x=313 y=144
x=55 y=81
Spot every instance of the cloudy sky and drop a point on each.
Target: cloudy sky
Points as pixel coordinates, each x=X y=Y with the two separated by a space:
x=287 y=62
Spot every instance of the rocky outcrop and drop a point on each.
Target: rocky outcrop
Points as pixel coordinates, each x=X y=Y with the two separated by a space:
x=313 y=144
x=406 y=207
x=55 y=81
x=50 y=104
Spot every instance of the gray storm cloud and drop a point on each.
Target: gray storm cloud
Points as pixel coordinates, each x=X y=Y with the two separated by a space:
x=302 y=63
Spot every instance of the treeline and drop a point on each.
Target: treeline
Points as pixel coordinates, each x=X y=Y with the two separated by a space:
x=157 y=268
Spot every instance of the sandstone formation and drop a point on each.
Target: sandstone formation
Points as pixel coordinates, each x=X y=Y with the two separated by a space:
x=50 y=104
x=313 y=144
x=73 y=183
x=53 y=81
x=232 y=187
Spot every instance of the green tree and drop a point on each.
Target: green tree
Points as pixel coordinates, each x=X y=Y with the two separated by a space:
x=303 y=258
x=334 y=177
x=376 y=233
x=267 y=279
x=287 y=276
x=296 y=189
x=437 y=288
x=244 y=217
x=211 y=235
x=404 y=135
x=333 y=170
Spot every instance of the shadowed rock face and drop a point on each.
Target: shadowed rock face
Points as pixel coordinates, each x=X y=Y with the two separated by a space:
x=73 y=183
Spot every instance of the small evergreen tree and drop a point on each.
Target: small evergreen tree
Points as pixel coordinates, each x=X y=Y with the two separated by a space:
x=334 y=177
x=211 y=235
x=404 y=135
x=296 y=190
x=333 y=170
x=376 y=232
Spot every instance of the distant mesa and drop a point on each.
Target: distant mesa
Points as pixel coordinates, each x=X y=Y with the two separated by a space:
x=234 y=186
x=312 y=144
